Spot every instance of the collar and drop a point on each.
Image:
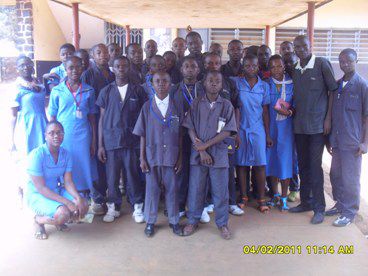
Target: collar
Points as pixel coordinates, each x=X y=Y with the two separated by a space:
x=218 y=100
x=164 y=101
x=310 y=64
x=352 y=80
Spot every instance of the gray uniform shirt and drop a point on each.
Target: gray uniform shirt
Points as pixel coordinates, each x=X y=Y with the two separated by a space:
x=311 y=96
x=205 y=121
x=162 y=134
x=350 y=106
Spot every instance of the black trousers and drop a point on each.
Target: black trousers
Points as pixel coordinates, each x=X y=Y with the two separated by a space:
x=310 y=150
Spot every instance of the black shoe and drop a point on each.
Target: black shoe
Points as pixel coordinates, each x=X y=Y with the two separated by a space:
x=149 y=230
x=177 y=229
x=318 y=218
x=333 y=212
x=300 y=209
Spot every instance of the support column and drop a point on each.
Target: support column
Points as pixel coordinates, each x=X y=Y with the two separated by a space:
x=76 y=35
x=127 y=35
x=310 y=28
x=24 y=35
x=267 y=36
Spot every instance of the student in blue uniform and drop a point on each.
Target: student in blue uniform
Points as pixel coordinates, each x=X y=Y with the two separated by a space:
x=233 y=68
x=185 y=92
x=179 y=47
x=171 y=67
x=28 y=109
x=280 y=155
x=120 y=103
x=212 y=62
x=254 y=128
x=210 y=121
x=348 y=139
x=51 y=192
x=286 y=47
x=150 y=49
x=159 y=126
x=114 y=51
x=84 y=56
x=98 y=76
x=314 y=83
x=72 y=103
x=58 y=73
x=157 y=64
x=134 y=53
x=194 y=44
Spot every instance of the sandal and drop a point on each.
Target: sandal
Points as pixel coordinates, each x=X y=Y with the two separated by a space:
x=283 y=204
x=62 y=228
x=262 y=206
x=243 y=202
x=40 y=233
x=275 y=200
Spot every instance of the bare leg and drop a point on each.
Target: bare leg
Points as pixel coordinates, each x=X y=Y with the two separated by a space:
x=62 y=216
x=284 y=187
x=241 y=172
x=261 y=183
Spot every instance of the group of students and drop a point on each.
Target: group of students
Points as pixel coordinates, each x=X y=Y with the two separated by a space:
x=181 y=127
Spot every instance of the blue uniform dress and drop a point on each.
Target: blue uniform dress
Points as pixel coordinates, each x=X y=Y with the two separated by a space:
x=252 y=149
x=280 y=155
x=77 y=138
x=31 y=121
x=41 y=163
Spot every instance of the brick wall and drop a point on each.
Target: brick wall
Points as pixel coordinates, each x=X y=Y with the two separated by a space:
x=24 y=40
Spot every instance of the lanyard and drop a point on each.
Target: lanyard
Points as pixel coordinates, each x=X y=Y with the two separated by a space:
x=164 y=122
x=189 y=100
x=75 y=97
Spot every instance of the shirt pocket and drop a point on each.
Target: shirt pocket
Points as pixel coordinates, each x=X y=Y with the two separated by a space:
x=133 y=104
x=352 y=102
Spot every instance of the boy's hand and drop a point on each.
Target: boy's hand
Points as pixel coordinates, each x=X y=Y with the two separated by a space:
x=363 y=148
x=269 y=141
x=327 y=126
x=199 y=145
x=282 y=111
x=92 y=149
x=328 y=147
x=237 y=141
x=206 y=159
x=178 y=165
x=144 y=165
x=101 y=153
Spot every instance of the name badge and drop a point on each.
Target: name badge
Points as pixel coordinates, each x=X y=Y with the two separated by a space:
x=221 y=124
x=79 y=114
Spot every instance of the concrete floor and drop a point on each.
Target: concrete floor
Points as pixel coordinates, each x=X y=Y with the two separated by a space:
x=120 y=248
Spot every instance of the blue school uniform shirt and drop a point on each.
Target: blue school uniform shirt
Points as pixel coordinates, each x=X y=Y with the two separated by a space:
x=41 y=163
x=350 y=106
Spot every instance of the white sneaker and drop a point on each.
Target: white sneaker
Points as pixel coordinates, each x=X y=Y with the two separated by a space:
x=235 y=210
x=181 y=214
x=97 y=208
x=205 y=218
x=210 y=208
x=111 y=213
x=138 y=213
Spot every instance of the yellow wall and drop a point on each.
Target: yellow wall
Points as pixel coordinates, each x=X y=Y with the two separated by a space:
x=336 y=14
x=47 y=34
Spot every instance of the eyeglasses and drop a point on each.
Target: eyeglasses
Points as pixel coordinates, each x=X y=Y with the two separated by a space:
x=55 y=133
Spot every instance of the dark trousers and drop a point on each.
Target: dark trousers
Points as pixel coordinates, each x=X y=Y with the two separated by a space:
x=310 y=150
x=128 y=161
x=183 y=178
x=345 y=181
x=154 y=178
x=197 y=193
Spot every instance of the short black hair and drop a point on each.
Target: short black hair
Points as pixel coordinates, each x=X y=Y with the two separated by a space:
x=286 y=42
x=249 y=57
x=150 y=40
x=179 y=38
x=73 y=57
x=187 y=58
x=301 y=37
x=210 y=54
x=263 y=46
x=253 y=49
x=67 y=46
x=51 y=123
x=161 y=73
x=121 y=58
x=193 y=34
x=81 y=51
x=169 y=53
x=275 y=57
x=131 y=45
x=96 y=46
x=235 y=41
x=21 y=57
x=349 y=51
x=210 y=73
x=157 y=56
